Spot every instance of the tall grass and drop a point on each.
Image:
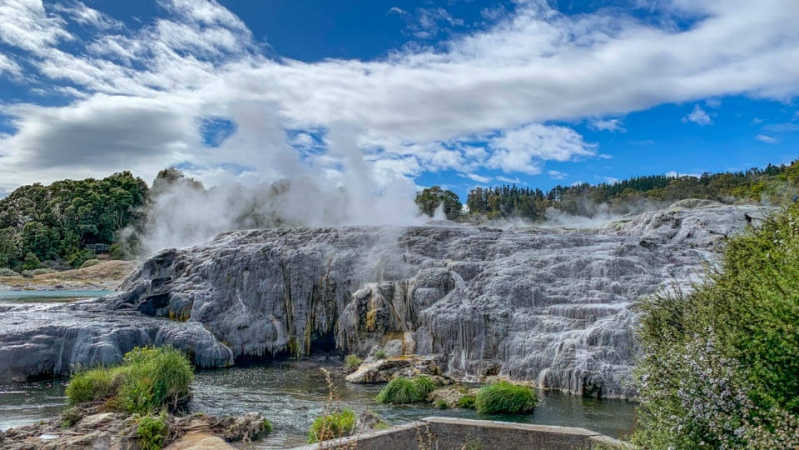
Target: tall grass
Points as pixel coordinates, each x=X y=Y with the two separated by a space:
x=332 y=426
x=147 y=380
x=400 y=390
x=505 y=398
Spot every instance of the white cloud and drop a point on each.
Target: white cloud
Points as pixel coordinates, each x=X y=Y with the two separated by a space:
x=766 y=139
x=557 y=175
x=477 y=178
x=523 y=149
x=9 y=66
x=698 y=116
x=611 y=125
x=419 y=106
x=509 y=180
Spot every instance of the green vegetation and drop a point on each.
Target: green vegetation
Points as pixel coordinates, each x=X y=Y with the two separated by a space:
x=152 y=431
x=70 y=417
x=467 y=402
x=441 y=404
x=401 y=390
x=380 y=354
x=52 y=224
x=719 y=366
x=148 y=379
x=503 y=397
x=352 y=362
x=431 y=198
x=268 y=428
x=775 y=184
x=332 y=426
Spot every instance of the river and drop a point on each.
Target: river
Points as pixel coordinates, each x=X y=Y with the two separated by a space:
x=292 y=393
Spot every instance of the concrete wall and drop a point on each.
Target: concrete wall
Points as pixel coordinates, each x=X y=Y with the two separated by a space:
x=445 y=433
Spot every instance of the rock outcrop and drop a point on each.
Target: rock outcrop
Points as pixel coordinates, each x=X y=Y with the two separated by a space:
x=550 y=305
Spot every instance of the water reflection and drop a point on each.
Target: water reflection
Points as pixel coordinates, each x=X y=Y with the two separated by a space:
x=291 y=394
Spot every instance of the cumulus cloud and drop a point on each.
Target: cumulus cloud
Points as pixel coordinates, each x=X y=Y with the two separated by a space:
x=698 y=116
x=522 y=149
x=488 y=100
x=612 y=125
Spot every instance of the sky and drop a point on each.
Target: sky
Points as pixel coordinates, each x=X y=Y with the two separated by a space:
x=458 y=93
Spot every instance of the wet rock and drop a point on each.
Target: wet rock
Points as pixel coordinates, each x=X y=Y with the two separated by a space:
x=368 y=421
x=450 y=396
x=547 y=305
x=118 y=431
x=199 y=441
x=383 y=370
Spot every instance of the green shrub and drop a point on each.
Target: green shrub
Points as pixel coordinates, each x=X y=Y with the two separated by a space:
x=718 y=366
x=332 y=426
x=466 y=402
x=401 y=390
x=92 y=385
x=70 y=417
x=148 y=379
x=441 y=404
x=6 y=272
x=380 y=354
x=424 y=386
x=505 y=398
x=152 y=431
x=268 y=428
x=352 y=362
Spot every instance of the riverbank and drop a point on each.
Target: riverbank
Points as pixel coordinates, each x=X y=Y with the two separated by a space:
x=104 y=276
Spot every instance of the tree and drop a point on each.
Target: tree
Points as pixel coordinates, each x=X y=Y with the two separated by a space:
x=431 y=198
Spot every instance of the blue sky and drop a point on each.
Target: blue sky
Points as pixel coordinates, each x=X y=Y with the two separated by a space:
x=382 y=95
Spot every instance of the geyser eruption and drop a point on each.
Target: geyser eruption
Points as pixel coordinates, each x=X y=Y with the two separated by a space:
x=182 y=213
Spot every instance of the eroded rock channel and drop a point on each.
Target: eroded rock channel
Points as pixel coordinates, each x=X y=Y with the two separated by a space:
x=551 y=305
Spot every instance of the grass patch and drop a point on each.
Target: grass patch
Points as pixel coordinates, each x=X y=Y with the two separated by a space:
x=380 y=354
x=332 y=426
x=505 y=398
x=147 y=380
x=152 y=431
x=352 y=362
x=466 y=402
x=400 y=391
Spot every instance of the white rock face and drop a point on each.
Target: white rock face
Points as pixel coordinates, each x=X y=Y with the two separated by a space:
x=547 y=305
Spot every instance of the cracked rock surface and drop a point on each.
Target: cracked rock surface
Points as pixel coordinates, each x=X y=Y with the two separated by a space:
x=548 y=305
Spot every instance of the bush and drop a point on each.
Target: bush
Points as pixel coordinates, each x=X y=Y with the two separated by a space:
x=466 y=402
x=332 y=426
x=148 y=379
x=380 y=354
x=400 y=390
x=6 y=272
x=441 y=404
x=70 y=417
x=505 y=398
x=152 y=431
x=718 y=366
x=352 y=362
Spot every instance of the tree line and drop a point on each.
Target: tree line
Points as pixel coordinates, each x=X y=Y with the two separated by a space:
x=55 y=223
x=774 y=184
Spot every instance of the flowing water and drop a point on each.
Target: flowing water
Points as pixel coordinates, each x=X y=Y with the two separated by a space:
x=292 y=393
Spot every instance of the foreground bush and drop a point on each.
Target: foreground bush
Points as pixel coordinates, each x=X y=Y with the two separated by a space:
x=505 y=398
x=332 y=426
x=401 y=391
x=148 y=379
x=152 y=431
x=718 y=367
